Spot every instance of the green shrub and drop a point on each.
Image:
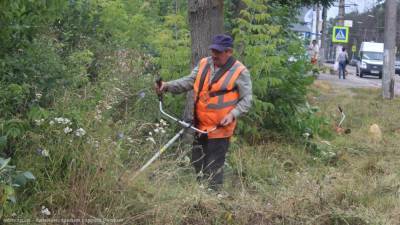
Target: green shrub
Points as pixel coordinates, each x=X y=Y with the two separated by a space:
x=10 y=179
x=278 y=67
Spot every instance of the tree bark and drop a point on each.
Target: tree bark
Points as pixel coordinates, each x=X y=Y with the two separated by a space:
x=206 y=19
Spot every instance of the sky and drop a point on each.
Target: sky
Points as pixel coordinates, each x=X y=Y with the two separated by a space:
x=363 y=5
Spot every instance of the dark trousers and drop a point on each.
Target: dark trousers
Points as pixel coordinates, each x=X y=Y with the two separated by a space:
x=208 y=157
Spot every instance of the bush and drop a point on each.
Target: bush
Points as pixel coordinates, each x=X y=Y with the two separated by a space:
x=10 y=179
x=278 y=67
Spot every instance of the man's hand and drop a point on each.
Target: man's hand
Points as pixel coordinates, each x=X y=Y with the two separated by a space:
x=227 y=120
x=160 y=89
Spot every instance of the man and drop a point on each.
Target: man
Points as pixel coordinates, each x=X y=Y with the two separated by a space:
x=343 y=60
x=222 y=92
x=313 y=52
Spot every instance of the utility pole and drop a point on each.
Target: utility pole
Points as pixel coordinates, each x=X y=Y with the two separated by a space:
x=323 y=36
x=390 y=49
x=340 y=22
x=317 y=24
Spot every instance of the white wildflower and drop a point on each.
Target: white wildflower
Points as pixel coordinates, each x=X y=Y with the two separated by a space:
x=151 y=140
x=67 y=130
x=38 y=95
x=130 y=140
x=67 y=121
x=63 y=121
x=157 y=124
x=80 y=132
x=39 y=122
x=45 y=211
x=150 y=133
x=51 y=122
x=156 y=130
x=108 y=107
x=163 y=122
x=45 y=153
x=42 y=152
x=163 y=131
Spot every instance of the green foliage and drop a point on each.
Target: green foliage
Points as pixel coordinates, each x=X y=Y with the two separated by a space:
x=9 y=180
x=298 y=3
x=22 y=20
x=79 y=62
x=172 y=53
x=275 y=58
x=88 y=66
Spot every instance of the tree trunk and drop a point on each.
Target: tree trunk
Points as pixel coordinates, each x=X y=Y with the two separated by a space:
x=206 y=19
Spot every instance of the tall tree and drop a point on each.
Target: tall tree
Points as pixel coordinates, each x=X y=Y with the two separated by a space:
x=206 y=19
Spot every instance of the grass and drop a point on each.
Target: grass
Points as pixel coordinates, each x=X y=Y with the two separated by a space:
x=353 y=180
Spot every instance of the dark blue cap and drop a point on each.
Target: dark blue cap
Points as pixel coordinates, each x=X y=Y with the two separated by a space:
x=221 y=42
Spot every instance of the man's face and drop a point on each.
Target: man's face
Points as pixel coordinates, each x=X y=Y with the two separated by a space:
x=220 y=58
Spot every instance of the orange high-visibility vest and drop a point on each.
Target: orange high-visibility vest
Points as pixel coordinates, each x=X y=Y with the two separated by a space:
x=215 y=101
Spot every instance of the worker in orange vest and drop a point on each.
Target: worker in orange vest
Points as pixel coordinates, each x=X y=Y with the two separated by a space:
x=222 y=92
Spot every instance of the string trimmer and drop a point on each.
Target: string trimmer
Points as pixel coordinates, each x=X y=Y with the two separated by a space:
x=182 y=123
x=339 y=128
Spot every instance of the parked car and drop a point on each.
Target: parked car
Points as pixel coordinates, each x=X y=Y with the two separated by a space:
x=371 y=59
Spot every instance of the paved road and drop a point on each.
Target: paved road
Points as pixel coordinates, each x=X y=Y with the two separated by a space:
x=353 y=81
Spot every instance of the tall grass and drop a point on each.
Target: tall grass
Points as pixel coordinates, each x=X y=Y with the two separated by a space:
x=275 y=183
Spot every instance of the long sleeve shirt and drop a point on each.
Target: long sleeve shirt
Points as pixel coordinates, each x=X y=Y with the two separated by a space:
x=243 y=84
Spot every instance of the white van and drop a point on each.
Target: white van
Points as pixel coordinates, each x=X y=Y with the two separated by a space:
x=371 y=59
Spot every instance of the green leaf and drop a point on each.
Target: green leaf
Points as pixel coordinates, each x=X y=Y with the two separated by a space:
x=28 y=175
x=20 y=179
x=3 y=142
x=4 y=162
x=9 y=193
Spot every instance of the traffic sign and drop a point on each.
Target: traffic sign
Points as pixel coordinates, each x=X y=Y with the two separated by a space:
x=353 y=48
x=348 y=23
x=340 y=34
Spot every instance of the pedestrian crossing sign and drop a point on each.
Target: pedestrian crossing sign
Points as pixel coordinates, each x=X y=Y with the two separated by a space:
x=340 y=34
